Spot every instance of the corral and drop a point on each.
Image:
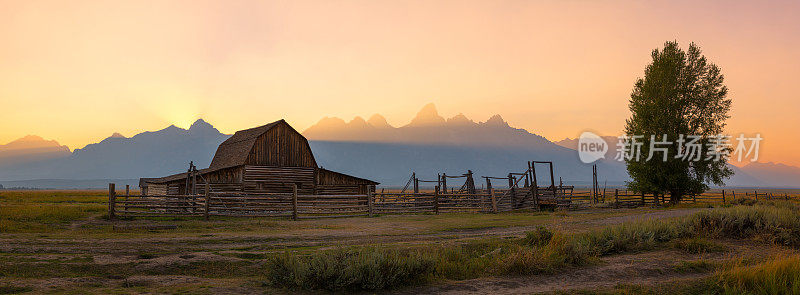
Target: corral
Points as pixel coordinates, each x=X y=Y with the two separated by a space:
x=270 y=171
x=523 y=192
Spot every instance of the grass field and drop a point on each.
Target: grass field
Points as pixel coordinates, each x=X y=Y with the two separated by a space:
x=61 y=241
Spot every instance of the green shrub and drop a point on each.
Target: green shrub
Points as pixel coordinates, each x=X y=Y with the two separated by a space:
x=779 y=276
x=465 y=261
x=638 y=236
x=539 y=237
x=773 y=224
x=343 y=269
x=560 y=251
x=744 y=202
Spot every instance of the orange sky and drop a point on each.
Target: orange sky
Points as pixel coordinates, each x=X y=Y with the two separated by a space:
x=77 y=71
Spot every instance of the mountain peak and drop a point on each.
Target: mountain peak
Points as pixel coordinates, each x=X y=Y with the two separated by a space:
x=378 y=121
x=427 y=116
x=329 y=122
x=358 y=121
x=200 y=123
x=116 y=135
x=30 y=137
x=496 y=120
x=201 y=126
x=34 y=142
x=460 y=120
x=30 y=141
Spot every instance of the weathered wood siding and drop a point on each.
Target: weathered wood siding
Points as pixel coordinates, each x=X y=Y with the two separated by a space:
x=281 y=146
x=157 y=189
x=223 y=180
x=270 y=179
x=334 y=183
x=228 y=175
x=174 y=189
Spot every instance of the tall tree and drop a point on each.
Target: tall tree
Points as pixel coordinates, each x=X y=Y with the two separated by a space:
x=681 y=95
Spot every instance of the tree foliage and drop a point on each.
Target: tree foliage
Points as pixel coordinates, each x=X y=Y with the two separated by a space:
x=681 y=94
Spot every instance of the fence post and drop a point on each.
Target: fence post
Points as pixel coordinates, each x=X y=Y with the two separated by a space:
x=603 y=200
x=513 y=195
x=294 y=201
x=643 y=203
x=494 y=200
x=206 y=214
x=756 y=195
x=723 y=196
x=370 y=194
x=616 y=198
x=436 y=200
x=112 y=199
x=127 y=193
x=444 y=182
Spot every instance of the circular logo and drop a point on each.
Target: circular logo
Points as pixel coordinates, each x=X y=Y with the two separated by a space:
x=591 y=147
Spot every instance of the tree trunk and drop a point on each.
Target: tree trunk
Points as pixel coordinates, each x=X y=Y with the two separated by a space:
x=674 y=198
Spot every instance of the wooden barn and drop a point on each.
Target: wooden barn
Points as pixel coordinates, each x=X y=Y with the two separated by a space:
x=265 y=159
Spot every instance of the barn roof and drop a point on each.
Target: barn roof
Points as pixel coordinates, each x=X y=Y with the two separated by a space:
x=234 y=151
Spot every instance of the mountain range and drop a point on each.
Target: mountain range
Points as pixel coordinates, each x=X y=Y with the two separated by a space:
x=117 y=157
x=431 y=144
x=374 y=149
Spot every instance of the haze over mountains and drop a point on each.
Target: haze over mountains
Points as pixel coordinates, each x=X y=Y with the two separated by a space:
x=431 y=144
x=31 y=148
x=374 y=149
x=427 y=127
x=148 y=153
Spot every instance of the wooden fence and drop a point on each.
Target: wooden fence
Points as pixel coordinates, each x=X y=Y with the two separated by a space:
x=728 y=196
x=301 y=206
x=402 y=203
x=239 y=204
x=624 y=199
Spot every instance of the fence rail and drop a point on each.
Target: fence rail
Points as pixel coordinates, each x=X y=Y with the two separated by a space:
x=302 y=206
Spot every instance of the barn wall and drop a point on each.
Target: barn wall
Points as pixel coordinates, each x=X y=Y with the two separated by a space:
x=174 y=189
x=281 y=146
x=157 y=189
x=333 y=183
x=269 y=179
x=223 y=180
x=227 y=175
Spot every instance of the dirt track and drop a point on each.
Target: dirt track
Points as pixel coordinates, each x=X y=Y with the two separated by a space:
x=283 y=240
x=171 y=250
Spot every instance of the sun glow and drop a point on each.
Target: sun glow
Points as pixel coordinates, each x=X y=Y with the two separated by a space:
x=79 y=71
x=176 y=108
